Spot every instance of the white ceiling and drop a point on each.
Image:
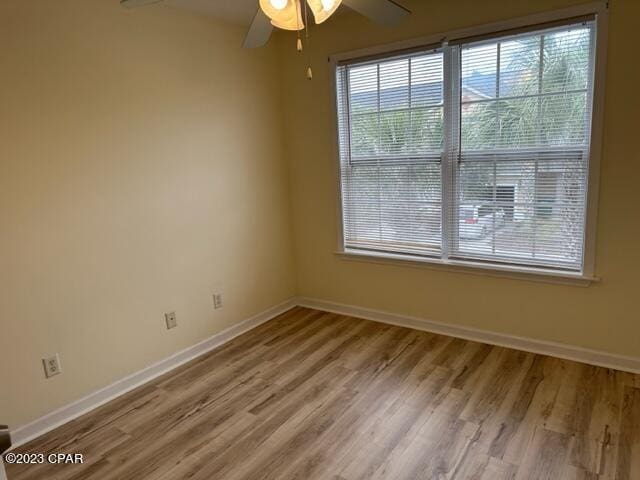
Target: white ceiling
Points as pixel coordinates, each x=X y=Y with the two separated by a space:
x=235 y=11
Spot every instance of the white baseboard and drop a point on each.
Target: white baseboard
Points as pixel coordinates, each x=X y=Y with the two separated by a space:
x=26 y=433
x=568 y=352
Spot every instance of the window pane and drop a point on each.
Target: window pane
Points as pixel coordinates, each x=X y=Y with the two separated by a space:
x=566 y=60
x=479 y=73
x=393 y=207
x=364 y=135
x=426 y=130
x=479 y=125
x=564 y=119
x=394 y=85
x=395 y=132
x=363 y=86
x=427 y=80
x=519 y=67
x=518 y=123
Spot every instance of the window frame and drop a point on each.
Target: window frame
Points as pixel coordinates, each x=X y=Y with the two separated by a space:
x=534 y=22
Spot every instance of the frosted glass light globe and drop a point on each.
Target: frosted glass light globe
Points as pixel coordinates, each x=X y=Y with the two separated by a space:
x=279 y=4
x=328 y=4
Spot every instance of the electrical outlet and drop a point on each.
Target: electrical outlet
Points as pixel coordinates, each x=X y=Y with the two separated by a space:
x=52 y=366
x=172 y=321
x=217 y=301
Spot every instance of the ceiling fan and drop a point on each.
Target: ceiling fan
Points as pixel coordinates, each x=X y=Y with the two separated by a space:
x=288 y=14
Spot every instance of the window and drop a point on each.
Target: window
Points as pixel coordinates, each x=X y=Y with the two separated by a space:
x=391 y=115
x=475 y=151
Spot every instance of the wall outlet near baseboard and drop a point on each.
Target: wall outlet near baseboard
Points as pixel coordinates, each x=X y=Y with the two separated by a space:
x=52 y=366
x=171 y=320
x=217 y=301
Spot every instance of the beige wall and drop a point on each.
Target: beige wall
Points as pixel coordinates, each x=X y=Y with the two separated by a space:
x=140 y=171
x=604 y=316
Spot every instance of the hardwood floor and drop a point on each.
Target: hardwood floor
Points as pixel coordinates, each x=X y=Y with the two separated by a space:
x=317 y=395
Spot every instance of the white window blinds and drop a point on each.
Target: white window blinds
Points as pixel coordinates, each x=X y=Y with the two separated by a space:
x=515 y=114
x=525 y=112
x=390 y=117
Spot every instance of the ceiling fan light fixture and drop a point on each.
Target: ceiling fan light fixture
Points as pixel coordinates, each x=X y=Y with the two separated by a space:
x=323 y=9
x=284 y=14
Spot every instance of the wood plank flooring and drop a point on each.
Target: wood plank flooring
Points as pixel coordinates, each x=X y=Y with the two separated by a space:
x=313 y=395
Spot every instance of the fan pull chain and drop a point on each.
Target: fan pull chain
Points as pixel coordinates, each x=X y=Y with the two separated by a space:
x=299 y=44
x=308 y=27
x=300 y=27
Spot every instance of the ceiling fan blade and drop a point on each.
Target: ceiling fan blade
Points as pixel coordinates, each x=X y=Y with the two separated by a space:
x=384 y=12
x=259 y=31
x=137 y=3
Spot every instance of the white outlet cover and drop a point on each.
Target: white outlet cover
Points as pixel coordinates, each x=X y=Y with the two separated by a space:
x=171 y=320
x=52 y=366
x=217 y=301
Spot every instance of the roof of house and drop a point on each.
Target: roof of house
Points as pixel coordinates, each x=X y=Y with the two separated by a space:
x=476 y=86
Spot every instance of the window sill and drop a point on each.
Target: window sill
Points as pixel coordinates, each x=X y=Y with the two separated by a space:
x=474 y=268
